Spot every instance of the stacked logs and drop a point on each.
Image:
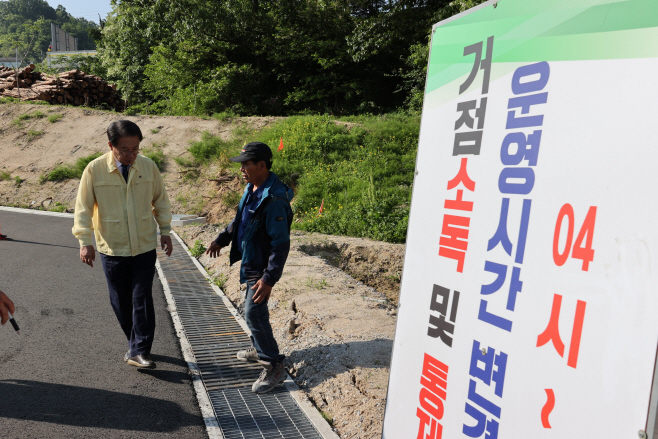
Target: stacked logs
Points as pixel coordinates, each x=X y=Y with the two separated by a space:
x=73 y=87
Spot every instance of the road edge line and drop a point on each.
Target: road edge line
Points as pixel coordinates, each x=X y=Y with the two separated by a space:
x=309 y=410
x=207 y=411
x=36 y=212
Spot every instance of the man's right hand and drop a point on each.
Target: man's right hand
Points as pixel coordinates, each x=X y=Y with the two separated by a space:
x=6 y=307
x=88 y=255
x=214 y=249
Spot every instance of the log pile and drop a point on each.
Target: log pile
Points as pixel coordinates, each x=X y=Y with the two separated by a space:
x=73 y=88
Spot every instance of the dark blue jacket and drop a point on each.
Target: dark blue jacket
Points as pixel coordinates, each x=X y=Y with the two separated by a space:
x=266 y=239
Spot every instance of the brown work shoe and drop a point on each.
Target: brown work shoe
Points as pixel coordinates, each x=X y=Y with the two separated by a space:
x=141 y=361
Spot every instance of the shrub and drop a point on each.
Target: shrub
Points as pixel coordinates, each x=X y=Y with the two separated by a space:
x=18 y=122
x=155 y=153
x=220 y=280
x=34 y=134
x=224 y=115
x=231 y=198
x=68 y=171
x=208 y=148
x=55 y=117
x=198 y=249
x=57 y=207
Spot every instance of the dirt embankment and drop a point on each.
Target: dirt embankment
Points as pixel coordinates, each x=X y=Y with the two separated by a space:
x=32 y=146
x=333 y=311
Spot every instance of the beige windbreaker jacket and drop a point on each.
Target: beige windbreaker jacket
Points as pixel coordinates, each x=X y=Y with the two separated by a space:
x=121 y=215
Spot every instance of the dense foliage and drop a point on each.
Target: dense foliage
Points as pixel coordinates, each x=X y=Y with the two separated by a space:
x=358 y=169
x=271 y=57
x=26 y=23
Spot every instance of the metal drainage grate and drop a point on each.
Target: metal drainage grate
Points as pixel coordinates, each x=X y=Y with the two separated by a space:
x=215 y=336
x=273 y=415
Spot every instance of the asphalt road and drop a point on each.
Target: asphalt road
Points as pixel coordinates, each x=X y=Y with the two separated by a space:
x=64 y=375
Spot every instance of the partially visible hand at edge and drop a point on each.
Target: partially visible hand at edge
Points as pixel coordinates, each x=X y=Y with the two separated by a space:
x=6 y=307
x=214 y=249
x=88 y=255
x=263 y=291
x=166 y=244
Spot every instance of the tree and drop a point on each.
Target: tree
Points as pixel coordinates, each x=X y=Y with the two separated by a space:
x=17 y=17
x=270 y=57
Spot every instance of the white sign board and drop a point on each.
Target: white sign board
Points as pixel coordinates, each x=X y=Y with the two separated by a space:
x=529 y=298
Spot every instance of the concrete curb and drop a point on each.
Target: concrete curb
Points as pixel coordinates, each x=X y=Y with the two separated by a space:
x=207 y=410
x=314 y=416
x=36 y=212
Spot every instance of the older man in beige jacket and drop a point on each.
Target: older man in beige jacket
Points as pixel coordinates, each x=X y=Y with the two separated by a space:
x=121 y=197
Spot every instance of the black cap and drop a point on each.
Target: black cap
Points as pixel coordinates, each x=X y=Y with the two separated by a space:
x=254 y=151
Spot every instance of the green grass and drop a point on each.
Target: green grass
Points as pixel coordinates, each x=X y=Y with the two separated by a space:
x=34 y=134
x=213 y=148
x=20 y=120
x=320 y=285
x=224 y=115
x=68 y=171
x=18 y=181
x=182 y=199
x=198 y=249
x=210 y=148
x=57 y=207
x=232 y=198
x=155 y=130
x=55 y=117
x=362 y=169
x=220 y=280
x=361 y=166
x=185 y=162
x=4 y=175
x=327 y=417
x=9 y=100
x=154 y=152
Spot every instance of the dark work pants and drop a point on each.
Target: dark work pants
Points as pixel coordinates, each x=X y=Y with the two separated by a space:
x=130 y=281
x=258 y=320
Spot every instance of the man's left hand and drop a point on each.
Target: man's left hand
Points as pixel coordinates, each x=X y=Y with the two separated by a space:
x=262 y=293
x=167 y=246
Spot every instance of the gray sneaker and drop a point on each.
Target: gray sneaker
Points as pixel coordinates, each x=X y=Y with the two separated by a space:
x=269 y=378
x=248 y=354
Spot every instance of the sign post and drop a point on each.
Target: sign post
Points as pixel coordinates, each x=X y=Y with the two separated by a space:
x=529 y=297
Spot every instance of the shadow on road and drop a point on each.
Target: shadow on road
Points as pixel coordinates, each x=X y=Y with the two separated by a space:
x=87 y=407
x=169 y=376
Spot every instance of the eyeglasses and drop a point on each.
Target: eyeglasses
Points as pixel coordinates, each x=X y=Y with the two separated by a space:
x=128 y=151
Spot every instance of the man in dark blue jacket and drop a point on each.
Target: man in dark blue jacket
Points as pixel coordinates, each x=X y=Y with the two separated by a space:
x=260 y=237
